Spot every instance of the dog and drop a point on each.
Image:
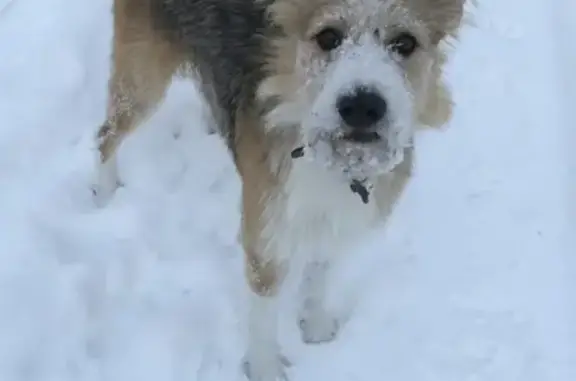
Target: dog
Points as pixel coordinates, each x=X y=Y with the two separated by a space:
x=318 y=102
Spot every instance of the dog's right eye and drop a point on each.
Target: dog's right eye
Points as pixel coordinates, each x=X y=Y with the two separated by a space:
x=329 y=39
x=404 y=44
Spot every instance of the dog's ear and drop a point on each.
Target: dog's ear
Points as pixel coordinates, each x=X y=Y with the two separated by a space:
x=442 y=17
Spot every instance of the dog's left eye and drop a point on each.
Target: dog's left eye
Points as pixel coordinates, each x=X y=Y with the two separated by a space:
x=329 y=39
x=404 y=44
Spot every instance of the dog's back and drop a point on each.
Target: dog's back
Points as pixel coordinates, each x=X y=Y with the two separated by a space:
x=224 y=40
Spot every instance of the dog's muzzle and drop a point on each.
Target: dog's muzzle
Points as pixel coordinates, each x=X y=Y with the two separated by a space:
x=361 y=145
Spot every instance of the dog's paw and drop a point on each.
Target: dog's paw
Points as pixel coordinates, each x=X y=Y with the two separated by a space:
x=267 y=368
x=106 y=182
x=318 y=328
x=101 y=196
x=102 y=193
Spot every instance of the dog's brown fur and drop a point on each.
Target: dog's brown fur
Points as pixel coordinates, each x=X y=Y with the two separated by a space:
x=143 y=64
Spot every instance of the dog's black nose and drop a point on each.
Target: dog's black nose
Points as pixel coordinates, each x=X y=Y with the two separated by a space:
x=362 y=108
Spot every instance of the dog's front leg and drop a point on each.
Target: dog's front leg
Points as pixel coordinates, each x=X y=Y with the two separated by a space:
x=317 y=323
x=266 y=262
x=263 y=360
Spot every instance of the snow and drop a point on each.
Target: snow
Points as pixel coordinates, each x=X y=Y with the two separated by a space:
x=472 y=280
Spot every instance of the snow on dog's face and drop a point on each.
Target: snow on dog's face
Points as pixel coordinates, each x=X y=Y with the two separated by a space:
x=353 y=75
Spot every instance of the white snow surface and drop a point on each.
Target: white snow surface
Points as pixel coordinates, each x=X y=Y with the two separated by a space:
x=472 y=281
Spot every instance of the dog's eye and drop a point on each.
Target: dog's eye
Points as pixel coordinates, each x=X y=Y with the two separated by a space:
x=404 y=44
x=329 y=39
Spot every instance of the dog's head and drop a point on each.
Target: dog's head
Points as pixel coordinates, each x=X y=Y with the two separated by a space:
x=354 y=75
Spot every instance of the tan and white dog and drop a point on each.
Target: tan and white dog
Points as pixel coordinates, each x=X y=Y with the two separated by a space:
x=318 y=100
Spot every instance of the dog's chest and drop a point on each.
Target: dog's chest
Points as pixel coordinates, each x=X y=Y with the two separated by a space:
x=318 y=212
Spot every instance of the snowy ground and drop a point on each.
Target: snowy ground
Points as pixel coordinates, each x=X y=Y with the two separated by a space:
x=471 y=282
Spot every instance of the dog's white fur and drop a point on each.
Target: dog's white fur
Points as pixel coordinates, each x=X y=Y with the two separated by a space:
x=320 y=226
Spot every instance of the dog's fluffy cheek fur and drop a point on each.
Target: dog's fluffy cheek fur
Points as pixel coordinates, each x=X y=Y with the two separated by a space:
x=291 y=86
x=432 y=98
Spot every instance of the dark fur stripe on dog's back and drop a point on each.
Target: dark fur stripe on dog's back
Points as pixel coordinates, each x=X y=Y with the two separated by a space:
x=229 y=43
